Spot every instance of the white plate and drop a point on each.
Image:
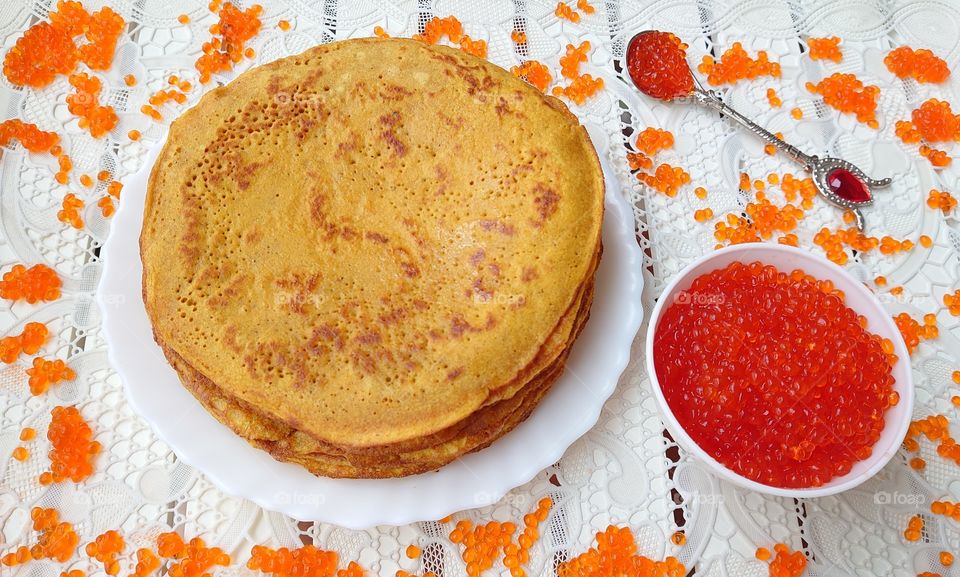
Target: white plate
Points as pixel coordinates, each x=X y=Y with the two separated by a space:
x=566 y=413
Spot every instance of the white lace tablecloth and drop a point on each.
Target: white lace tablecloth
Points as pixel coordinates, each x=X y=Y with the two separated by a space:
x=625 y=471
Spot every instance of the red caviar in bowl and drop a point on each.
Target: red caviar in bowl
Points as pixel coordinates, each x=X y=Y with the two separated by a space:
x=757 y=364
x=657 y=63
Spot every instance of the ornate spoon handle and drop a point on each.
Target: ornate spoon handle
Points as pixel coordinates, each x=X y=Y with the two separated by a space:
x=709 y=99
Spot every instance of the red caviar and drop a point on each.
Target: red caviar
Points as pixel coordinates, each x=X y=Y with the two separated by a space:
x=306 y=561
x=96 y=118
x=44 y=373
x=735 y=64
x=107 y=207
x=847 y=93
x=102 y=32
x=235 y=28
x=585 y=7
x=134 y=135
x=147 y=563
x=942 y=201
x=787 y=563
x=535 y=73
x=825 y=49
x=193 y=559
x=518 y=36
x=73 y=447
x=58 y=541
x=477 y=48
x=285 y=25
x=571 y=60
x=70 y=211
x=946 y=558
x=71 y=17
x=580 y=89
x=762 y=386
x=29 y=136
x=29 y=342
x=436 y=28
x=913 y=332
x=37 y=283
x=20 y=454
x=565 y=12
x=952 y=302
x=28 y=434
x=105 y=549
x=914 y=528
x=763 y=220
x=678 y=538
x=43 y=52
x=703 y=214
x=936 y=122
x=615 y=553
x=653 y=140
x=666 y=179
x=773 y=99
x=657 y=63
x=921 y=65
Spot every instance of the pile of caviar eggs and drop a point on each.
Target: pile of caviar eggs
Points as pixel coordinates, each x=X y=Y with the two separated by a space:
x=773 y=375
x=657 y=63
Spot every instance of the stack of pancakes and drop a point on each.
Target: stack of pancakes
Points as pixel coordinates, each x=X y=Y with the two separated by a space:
x=373 y=257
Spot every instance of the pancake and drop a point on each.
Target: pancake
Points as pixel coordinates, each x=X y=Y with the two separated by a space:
x=373 y=243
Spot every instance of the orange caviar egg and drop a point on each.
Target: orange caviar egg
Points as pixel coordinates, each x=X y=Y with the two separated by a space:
x=518 y=36
x=925 y=241
x=796 y=113
x=787 y=563
x=44 y=373
x=946 y=558
x=678 y=538
x=653 y=140
x=20 y=454
x=535 y=73
x=37 y=283
x=147 y=563
x=921 y=65
x=105 y=549
x=917 y=464
x=700 y=193
x=615 y=553
x=306 y=561
x=102 y=33
x=666 y=179
x=183 y=19
x=952 y=302
x=946 y=508
x=703 y=215
x=585 y=7
x=107 y=207
x=735 y=64
x=638 y=160
x=29 y=342
x=846 y=93
x=571 y=60
x=825 y=49
x=762 y=553
x=43 y=52
x=913 y=332
x=914 y=528
x=29 y=136
x=114 y=188
x=937 y=158
x=413 y=551
x=86 y=180
x=70 y=211
x=103 y=175
x=436 y=28
x=134 y=135
x=880 y=281
x=565 y=12
x=234 y=29
x=73 y=447
x=477 y=48
x=944 y=201
x=580 y=89
x=28 y=434
x=773 y=310
x=773 y=99
x=98 y=119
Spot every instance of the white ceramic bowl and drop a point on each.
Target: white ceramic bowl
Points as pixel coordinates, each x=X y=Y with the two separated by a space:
x=858 y=297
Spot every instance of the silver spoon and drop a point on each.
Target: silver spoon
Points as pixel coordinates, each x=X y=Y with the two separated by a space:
x=838 y=181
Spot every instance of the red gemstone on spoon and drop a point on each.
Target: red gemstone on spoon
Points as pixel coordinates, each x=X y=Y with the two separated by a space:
x=848 y=186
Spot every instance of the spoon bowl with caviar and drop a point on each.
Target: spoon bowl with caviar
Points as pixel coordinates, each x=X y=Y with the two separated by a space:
x=657 y=65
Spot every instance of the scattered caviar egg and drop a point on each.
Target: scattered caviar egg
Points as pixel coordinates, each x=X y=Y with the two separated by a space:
x=29 y=136
x=666 y=179
x=29 y=341
x=700 y=192
x=616 y=551
x=796 y=113
x=44 y=373
x=114 y=188
x=585 y=7
x=822 y=427
x=413 y=551
x=20 y=454
x=96 y=118
x=937 y=158
x=107 y=206
x=880 y=281
x=565 y=12
x=846 y=93
x=770 y=149
x=914 y=528
x=638 y=160
x=571 y=60
x=147 y=563
x=518 y=36
x=183 y=19
x=913 y=332
x=921 y=65
x=952 y=302
x=477 y=48
x=703 y=215
x=231 y=33
x=925 y=241
x=917 y=463
x=946 y=558
x=580 y=89
x=652 y=140
x=436 y=28
x=535 y=73
x=70 y=211
x=678 y=538
x=73 y=448
x=303 y=561
x=787 y=563
x=40 y=55
x=57 y=540
x=105 y=549
x=762 y=553
x=28 y=434
x=942 y=201
x=130 y=80
x=936 y=428
x=825 y=49
x=37 y=283
x=657 y=63
x=773 y=99
x=86 y=180
x=285 y=25
x=134 y=135
x=735 y=64
x=763 y=220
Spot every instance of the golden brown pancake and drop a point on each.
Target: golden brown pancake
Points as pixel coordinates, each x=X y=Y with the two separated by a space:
x=371 y=243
